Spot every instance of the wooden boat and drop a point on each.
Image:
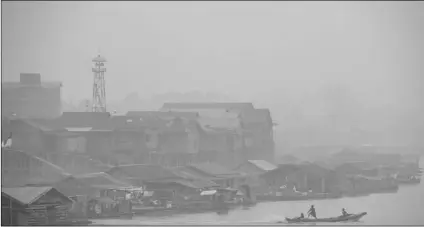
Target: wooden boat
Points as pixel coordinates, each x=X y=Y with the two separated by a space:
x=350 y=217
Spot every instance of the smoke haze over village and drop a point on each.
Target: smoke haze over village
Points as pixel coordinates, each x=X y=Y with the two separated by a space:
x=292 y=57
x=212 y=112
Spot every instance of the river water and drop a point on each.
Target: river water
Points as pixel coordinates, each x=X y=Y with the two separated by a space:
x=406 y=207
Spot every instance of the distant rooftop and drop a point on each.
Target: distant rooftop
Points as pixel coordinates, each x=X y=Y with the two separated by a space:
x=30 y=80
x=262 y=164
x=207 y=105
x=257 y=115
x=44 y=84
x=164 y=114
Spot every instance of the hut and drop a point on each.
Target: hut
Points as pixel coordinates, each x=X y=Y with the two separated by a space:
x=34 y=206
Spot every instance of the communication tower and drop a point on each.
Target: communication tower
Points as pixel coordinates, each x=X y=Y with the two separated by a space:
x=99 y=88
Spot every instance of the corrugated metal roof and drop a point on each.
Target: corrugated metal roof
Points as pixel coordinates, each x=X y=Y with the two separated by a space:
x=262 y=164
x=26 y=195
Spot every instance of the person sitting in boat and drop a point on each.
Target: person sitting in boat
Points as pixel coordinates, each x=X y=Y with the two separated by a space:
x=344 y=213
x=312 y=212
x=301 y=216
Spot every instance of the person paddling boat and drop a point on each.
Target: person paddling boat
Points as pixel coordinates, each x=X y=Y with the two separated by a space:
x=344 y=213
x=312 y=212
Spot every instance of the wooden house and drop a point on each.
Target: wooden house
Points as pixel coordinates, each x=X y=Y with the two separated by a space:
x=34 y=206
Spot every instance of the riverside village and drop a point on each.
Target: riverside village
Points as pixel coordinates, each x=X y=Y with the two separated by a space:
x=76 y=168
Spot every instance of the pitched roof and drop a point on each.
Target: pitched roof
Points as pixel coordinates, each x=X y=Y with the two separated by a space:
x=208 y=123
x=285 y=169
x=44 y=125
x=188 y=173
x=263 y=165
x=81 y=120
x=163 y=120
x=52 y=167
x=144 y=171
x=27 y=195
x=215 y=170
x=194 y=183
x=141 y=123
x=314 y=169
x=72 y=187
x=256 y=116
x=127 y=122
x=99 y=179
x=55 y=173
x=309 y=168
x=288 y=158
x=207 y=105
x=164 y=114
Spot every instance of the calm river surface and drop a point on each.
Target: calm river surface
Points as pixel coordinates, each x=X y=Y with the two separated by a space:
x=402 y=208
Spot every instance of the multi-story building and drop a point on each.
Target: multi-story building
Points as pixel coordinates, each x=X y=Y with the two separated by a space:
x=31 y=97
x=225 y=125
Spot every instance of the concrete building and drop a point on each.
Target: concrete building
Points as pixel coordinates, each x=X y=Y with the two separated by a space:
x=31 y=97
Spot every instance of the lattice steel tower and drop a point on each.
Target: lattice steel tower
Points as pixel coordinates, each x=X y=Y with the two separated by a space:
x=99 y=88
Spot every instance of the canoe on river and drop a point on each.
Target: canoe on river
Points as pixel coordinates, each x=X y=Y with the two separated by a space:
x=350 y=217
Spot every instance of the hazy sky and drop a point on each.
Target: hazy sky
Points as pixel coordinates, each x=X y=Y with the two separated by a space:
x=252 y=50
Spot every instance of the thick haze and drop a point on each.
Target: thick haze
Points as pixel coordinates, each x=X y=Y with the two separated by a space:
x=273 y=53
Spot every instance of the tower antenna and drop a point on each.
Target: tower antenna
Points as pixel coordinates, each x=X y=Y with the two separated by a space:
x=99 y=88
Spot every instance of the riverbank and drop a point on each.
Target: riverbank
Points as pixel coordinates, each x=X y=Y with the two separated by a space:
x=160 y=214
x=402 y=208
